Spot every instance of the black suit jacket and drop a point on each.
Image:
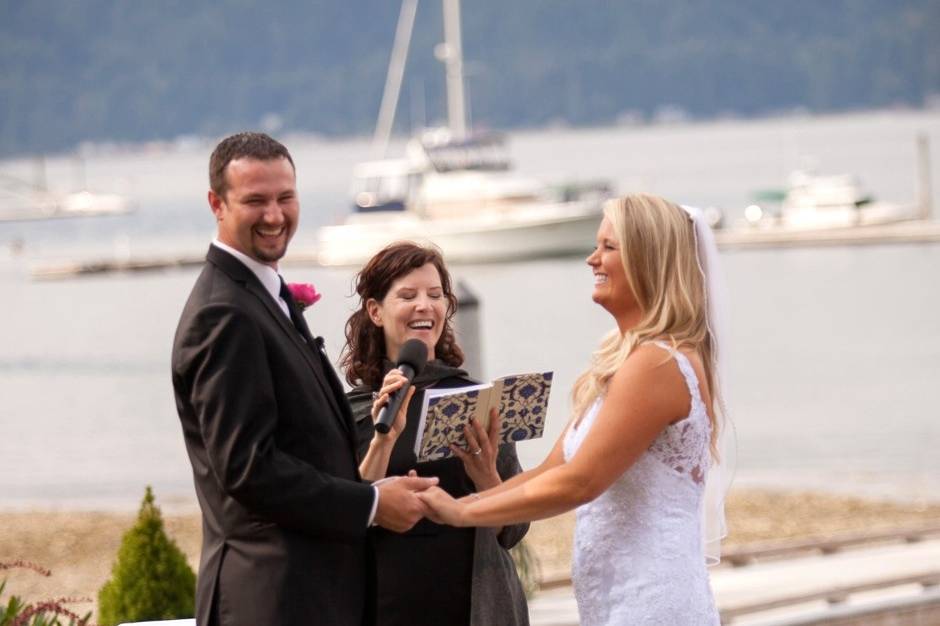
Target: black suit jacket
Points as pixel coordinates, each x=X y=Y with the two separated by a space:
x=272 y=444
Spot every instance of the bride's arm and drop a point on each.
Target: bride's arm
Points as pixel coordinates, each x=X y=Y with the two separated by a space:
x=644 y=396
x=554 y=458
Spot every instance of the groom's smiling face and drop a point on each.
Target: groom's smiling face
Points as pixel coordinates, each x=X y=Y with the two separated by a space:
x=258 y=213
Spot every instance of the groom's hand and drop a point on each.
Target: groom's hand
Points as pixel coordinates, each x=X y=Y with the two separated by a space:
x=399 y=507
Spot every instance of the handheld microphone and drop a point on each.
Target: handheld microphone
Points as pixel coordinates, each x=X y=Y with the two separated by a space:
x=411 y=360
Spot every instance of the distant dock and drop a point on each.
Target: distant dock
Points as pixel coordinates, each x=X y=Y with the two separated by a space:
x=72 y=269
x=914 y=231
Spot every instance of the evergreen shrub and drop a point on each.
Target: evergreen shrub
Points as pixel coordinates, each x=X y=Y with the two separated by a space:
x=151 y=579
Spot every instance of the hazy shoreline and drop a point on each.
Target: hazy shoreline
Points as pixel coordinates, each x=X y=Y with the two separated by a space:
x=187 y=142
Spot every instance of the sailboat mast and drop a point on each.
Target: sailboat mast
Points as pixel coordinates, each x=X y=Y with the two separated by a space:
x=456 y=114
x=393 y=78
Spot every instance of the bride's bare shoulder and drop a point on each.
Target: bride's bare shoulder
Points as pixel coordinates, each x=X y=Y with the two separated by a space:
x=647 y=359
x=651 y=376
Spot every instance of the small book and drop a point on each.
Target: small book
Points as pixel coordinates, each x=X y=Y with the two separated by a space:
x=520 y=400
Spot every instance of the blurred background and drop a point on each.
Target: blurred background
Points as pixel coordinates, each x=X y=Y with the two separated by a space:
x=834 y=348
x=808 y=131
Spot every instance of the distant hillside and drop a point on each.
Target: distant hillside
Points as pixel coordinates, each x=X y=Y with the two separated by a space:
x=102 y=70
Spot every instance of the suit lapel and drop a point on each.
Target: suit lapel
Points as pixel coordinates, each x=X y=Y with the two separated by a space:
x=338 y=391
x=315 y=346
x=322 y=370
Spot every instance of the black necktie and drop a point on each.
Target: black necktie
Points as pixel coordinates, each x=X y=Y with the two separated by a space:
x=324 y=372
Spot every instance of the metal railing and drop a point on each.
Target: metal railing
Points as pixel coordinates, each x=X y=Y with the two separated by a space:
x=834 y=595
x=750 y=553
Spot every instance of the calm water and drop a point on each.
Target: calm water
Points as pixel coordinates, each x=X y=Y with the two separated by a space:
x=835 y=352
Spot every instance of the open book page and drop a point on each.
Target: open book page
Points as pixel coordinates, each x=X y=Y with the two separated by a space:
x=522 y=401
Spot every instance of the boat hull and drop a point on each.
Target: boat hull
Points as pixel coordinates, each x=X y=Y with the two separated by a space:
x=48 y=206
x=523 y=233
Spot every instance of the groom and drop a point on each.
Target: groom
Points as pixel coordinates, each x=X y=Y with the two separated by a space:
x=266 y=423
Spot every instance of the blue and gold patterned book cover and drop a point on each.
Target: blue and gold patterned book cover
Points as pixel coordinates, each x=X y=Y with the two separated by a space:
x=522 y=401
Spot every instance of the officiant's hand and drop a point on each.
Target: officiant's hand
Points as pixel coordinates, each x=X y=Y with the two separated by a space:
x=479 y=458
x=441 y=507
x=399 y=506
x=390 y=384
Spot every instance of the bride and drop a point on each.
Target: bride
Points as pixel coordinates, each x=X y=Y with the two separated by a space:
x=645 y=433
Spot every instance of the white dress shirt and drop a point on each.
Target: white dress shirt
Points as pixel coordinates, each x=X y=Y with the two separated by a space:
x=268 y=276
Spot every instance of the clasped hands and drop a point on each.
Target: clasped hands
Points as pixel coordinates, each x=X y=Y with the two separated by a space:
x=405 y=500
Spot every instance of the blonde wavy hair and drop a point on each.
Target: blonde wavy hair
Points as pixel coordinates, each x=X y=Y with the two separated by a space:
x=658 y=251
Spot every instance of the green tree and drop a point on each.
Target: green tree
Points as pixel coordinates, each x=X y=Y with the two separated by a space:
x=150 y=579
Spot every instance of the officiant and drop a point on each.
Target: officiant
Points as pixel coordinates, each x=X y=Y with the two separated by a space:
x=432 y=574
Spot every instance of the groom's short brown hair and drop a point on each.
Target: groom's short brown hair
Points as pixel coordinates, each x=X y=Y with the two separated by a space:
x=241 y=145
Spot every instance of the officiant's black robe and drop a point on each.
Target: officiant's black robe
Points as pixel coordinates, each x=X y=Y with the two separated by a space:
x=435 y=574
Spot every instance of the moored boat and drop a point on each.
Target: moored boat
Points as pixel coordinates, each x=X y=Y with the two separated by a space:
x=813 y=201
x=457 y=189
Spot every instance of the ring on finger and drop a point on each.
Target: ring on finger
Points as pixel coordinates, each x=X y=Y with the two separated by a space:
x=477 y=452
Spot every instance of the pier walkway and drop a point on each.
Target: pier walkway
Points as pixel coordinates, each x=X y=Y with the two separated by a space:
x=874 y=585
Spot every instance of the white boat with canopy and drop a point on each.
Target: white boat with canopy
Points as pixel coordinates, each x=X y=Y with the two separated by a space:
x=456 y=188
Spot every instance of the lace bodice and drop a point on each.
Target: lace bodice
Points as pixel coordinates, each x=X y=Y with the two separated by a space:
x=638 y=555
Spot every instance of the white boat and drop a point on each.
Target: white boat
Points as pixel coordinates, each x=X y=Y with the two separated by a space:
x=813 y=202
x=455 y=188
x=524 y=231
x=23 y=201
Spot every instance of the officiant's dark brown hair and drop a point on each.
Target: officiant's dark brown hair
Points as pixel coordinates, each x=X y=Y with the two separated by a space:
x=364 y=353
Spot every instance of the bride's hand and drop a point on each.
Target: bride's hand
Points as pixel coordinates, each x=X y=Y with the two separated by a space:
x=479 y=459
x=442 y=508
x=392 y=382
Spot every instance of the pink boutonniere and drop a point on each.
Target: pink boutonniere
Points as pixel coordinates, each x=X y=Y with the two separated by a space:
x=304 y=294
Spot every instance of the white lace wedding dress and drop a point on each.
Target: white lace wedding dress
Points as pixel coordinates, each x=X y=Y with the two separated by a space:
x=638 y=555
